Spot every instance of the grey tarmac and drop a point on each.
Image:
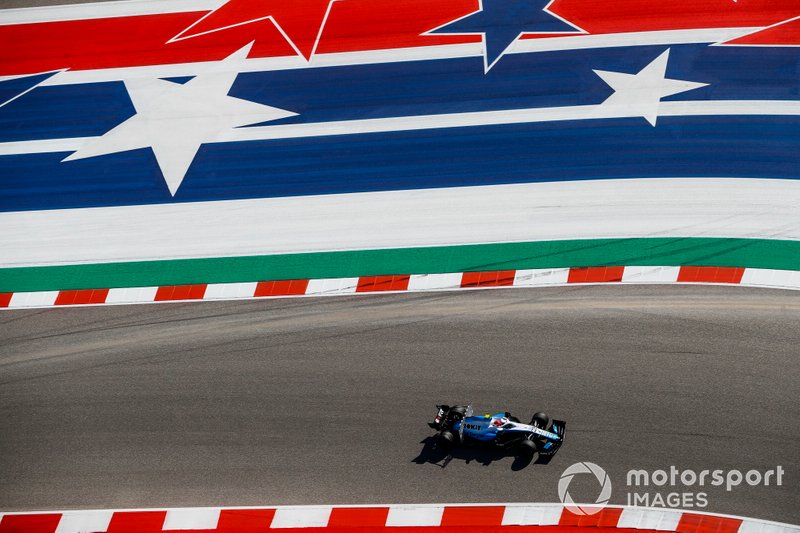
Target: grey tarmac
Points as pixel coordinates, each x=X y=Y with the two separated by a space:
x=326 y=400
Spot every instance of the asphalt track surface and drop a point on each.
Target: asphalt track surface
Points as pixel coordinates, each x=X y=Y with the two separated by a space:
x=310 y=401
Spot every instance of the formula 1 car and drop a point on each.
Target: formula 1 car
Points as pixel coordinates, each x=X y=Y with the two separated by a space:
x=457 y=424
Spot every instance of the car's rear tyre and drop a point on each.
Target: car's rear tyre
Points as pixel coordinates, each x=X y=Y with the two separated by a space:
x=446 y=438
x=527 y=448
x=540 y=420
x=458 y=412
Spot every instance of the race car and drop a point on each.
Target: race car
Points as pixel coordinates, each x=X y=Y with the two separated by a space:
x=458 y=424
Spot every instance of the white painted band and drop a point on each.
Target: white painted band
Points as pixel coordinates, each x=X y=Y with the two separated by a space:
x=669 y=207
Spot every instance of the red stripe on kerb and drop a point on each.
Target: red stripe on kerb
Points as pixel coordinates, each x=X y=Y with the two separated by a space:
x=473 y=516
x=245 y=520
x=358 y=517
x=608 y=274
x=693 y=274
x=31 y=523
x=82 y=297
x=382 y=283
x=493 y=278
x=287 y=287
x=695 y=523
x=180 y=292
x=605 y=518
x=5 y=298
x=137 y=522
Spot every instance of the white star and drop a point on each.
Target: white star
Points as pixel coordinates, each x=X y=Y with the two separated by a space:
x=174 y=120
x=642 y=92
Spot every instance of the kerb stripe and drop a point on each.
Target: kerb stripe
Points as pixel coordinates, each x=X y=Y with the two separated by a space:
x=478 y=518
x=753 y=277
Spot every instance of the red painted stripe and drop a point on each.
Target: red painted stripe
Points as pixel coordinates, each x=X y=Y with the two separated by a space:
x=128 y=41
x=137 y=522
x=495 y=278
x=300 y=19
x=382 y=283
x=695 y=523
x=608 y=517
x=82 y=297
x=376 y=24
x=288 y=287
x=358 y=517
x=473 y=516
x=606 y=274
x=785 y=33
x=710 y=274
x=5 y=298
x=354 y=25
x=492 y=529
x=646 y=15
x=35 y=523
x=245 y=520
x=180 y=292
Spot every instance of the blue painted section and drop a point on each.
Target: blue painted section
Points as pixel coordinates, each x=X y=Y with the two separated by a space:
x=750 y=147
x=14 y=87
x=429 y=87
x=503 y=21
x=57 y=112
x=180 y=80
x=562 y=151
x=519 y=81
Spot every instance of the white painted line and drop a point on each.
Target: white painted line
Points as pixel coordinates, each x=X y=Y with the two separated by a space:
x=642 y=518
x=509 y=117
x=332 y=286
x=129 y=8
x=777 y=24
x=226 y=291
x=409 y=515
x=541 y=276
x=29 y=89
x=33 y=299
x=301 y=517
x=197 y=518
x=131 y=295
x=44 y=146
x=451 y=120
x=650 y=274
x=429 y=282
x=753 y=526
x=532 y=515
x=670 y=207
x=786 y=279
x=615 y=40
x=84 y=522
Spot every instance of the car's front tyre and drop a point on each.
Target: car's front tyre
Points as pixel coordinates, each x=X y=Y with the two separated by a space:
x=540 y=420
x=527 y=448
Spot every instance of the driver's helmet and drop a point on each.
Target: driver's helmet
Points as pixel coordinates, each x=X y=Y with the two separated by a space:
x=497 y=422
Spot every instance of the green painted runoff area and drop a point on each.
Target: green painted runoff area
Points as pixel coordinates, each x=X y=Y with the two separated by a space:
x=753 y=253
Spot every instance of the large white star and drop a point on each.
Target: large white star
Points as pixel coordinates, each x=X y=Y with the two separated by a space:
x=174 y=119
x=642 y=93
